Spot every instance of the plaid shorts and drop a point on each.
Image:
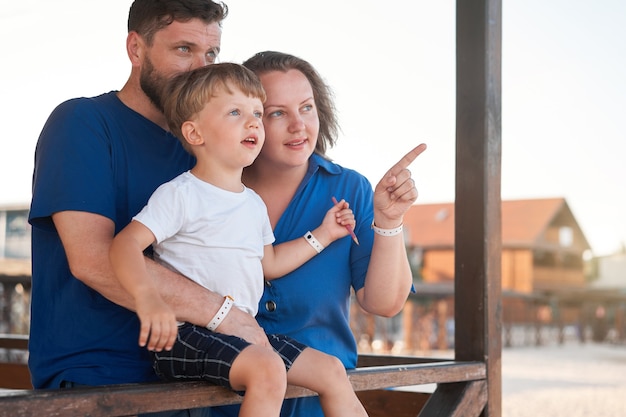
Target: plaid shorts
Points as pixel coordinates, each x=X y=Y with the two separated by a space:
x=200 y=354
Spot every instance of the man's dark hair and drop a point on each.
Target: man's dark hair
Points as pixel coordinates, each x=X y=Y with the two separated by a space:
x=147 y=17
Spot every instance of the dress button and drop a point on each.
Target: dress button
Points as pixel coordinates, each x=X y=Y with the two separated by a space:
x=270 y=306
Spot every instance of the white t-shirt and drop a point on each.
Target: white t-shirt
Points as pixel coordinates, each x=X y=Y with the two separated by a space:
x=212 y=236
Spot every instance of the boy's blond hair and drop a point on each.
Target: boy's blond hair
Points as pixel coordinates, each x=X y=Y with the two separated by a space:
x=187 y=93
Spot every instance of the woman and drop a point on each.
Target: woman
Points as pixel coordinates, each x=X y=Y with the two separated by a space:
x=297 y=182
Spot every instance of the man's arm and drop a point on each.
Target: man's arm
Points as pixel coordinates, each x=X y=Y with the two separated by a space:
x=87 y=239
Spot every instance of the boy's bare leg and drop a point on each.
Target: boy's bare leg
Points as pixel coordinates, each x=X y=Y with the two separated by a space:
x=326 y=375
x=260 y=372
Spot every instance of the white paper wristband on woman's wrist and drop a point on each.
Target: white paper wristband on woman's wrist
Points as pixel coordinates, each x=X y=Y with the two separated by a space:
x=387 y=232
x=219 y=317
x=308 y=236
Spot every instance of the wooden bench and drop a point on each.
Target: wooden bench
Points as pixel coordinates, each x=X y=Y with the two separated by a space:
x=375 y=374
x=462 y=384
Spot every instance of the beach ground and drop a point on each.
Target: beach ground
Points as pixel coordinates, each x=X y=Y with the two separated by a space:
x=569 y=380
x=573 y=380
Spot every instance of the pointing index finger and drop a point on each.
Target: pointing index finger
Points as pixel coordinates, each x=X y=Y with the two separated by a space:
x=407 y=159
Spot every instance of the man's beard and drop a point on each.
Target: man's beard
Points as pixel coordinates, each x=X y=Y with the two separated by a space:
x=152 y=83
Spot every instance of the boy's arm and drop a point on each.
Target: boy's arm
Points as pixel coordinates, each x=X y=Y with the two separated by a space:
x=279 y=260
x=126 y=256
x=158 y=321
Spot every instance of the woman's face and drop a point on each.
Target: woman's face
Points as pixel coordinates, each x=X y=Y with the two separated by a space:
x=290 y=119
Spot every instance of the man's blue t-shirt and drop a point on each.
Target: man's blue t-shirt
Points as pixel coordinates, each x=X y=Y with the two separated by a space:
x=94 y=155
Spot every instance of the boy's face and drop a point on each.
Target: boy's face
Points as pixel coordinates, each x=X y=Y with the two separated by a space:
x=231 y=128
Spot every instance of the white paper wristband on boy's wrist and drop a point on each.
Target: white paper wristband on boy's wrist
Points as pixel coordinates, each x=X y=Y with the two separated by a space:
x=308 y=236
x=219 y=317
x=387 y=232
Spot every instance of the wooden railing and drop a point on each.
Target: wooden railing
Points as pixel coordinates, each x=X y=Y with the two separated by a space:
x=461 y=390
x=13 y=374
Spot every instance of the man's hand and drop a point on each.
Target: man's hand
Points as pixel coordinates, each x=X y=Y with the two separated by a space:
x=241 y=324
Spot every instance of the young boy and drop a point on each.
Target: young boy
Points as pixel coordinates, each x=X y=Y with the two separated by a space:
x=209 y=227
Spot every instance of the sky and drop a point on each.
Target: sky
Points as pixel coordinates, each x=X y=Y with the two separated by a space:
x=391 y=66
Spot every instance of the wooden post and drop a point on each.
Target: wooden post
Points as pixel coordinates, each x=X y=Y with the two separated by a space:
x=478 y=241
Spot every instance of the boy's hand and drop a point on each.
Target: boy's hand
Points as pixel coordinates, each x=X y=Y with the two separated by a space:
x=158 y=323
x=336 y=222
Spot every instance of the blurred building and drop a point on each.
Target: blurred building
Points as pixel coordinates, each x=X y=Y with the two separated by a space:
x=542 y=245
x=545 y=277
x=15 y=269
x=611 y=272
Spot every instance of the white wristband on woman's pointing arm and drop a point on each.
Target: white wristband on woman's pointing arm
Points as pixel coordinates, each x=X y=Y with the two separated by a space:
x=387 y=232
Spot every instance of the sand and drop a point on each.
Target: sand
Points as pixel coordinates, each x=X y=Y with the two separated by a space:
x=573 y=380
